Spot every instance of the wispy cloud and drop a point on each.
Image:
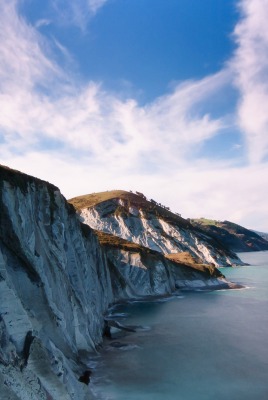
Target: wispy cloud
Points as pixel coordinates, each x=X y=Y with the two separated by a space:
x=251 y=68
x=58 y=128
x=76 y=12
x=42 y=22
x=23 y=59
x=95 y=5
x=88 y=118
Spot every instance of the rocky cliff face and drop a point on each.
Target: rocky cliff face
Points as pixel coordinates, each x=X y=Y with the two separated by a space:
x=54 y=288
x=57 y=280
x=133 y=218
x=139 y=271
x=235 y=237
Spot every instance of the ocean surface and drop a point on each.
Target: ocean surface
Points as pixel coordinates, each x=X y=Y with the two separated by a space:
x=196 y=346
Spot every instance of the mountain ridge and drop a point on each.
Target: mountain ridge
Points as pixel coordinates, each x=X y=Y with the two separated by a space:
x=264 y=235
x=137 y=199
x=135 y=218
x=234 y=236
x=230 y=235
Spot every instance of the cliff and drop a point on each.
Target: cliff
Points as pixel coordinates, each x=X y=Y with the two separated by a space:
x=235 y=237
x=263 y=235
x=54 y=288
x=134 y=218
x=58 y=278
x=138 y=270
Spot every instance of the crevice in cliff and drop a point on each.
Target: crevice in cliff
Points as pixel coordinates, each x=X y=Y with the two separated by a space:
x=85 y=378
x=27 y=346
x=118 y=280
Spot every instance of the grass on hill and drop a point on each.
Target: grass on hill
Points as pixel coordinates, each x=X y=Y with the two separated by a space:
x=92 y=199
x=186 y=259
x=183 y=259
x=107 y=239
x=204 y=221
x=132 y=199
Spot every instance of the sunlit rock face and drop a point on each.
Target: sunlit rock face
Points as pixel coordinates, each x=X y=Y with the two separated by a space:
x=58 y=278
x=135 y=219
x=148 y=273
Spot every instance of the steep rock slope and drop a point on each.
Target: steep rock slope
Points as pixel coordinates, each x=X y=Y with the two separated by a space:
x=54 y=288
x=138 y=270
x=233 y=236
x=134 y=218
x=263 y=235
x=57 y=280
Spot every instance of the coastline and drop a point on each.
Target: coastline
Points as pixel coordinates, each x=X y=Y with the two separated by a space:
x=118 y=331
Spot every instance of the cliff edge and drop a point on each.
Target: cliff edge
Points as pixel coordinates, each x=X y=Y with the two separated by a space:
x=58 y=278
x=135 y=218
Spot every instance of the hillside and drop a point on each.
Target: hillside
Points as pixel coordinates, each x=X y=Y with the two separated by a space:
x=58 y=279
x=135 y=218
x=264 y=235
x=183 y=260
x=233 y=236
x=139 y=201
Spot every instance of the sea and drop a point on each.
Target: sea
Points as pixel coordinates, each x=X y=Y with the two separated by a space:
x=198 y=345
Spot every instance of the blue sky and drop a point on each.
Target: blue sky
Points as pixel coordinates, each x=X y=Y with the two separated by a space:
x=147 y=44
x=164 y=97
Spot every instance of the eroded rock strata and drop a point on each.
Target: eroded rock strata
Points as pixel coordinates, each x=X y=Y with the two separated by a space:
x=235 y=237
x=134 y=218
x=54 y=283
x=58 y=278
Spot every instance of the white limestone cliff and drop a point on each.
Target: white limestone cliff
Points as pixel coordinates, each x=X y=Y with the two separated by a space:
x=57 y=281
x=54 y=287
x=135 y=223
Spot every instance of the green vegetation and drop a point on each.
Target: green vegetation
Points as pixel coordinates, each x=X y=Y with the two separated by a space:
x=107 y=239
x=91 y=200
x=185 y=259
x=204 y=221
x=230 y=235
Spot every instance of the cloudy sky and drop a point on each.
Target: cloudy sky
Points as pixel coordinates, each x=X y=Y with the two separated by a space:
x=166 y=97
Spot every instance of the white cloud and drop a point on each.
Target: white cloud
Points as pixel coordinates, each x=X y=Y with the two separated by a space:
x=98 y=141
x=95 y=5
x=88 y=118
x=221 y=192
x=76 y=12
x=42 y=22
x=23 y=62
x=251 y=67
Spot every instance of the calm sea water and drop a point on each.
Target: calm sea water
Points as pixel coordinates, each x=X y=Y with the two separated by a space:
x=199 y=346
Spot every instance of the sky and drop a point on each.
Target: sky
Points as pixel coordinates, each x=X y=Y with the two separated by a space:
x=164 y=97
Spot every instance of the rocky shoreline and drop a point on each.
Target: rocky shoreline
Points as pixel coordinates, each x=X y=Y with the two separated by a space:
x=57 y=281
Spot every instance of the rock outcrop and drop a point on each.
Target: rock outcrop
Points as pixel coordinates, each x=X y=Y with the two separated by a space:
x=139 y=271
x=54 y=285
x=263 y=235
x=58 y=278
x=134 y=218
x=235 y=237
